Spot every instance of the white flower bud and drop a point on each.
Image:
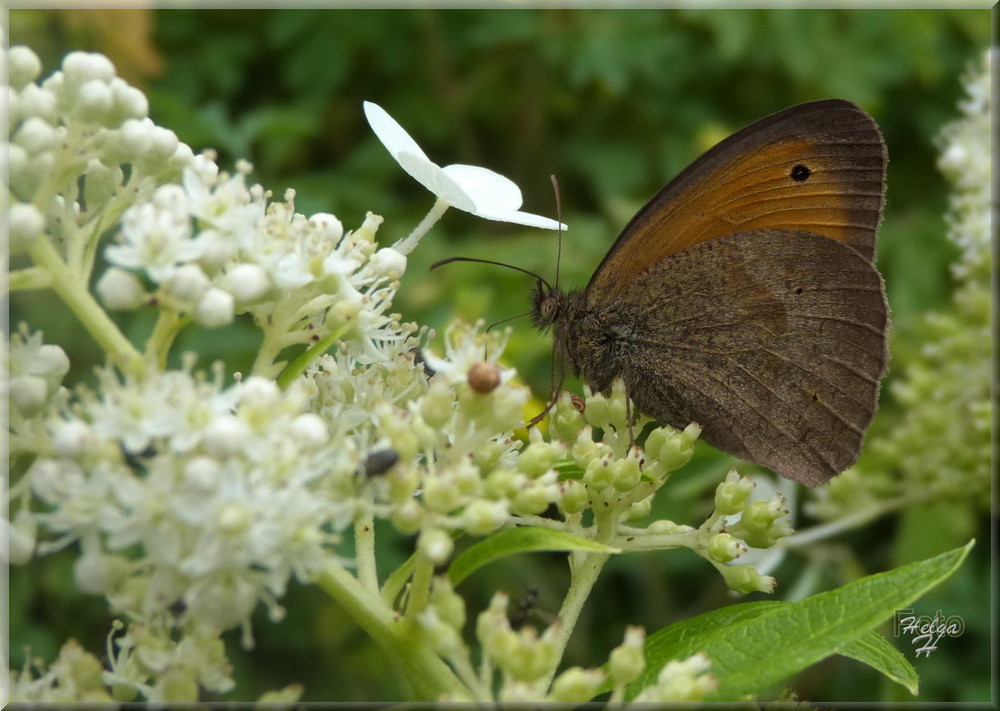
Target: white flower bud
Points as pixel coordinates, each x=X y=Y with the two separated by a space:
x=201 y=473
x=165 y=142
x=120 y=290
x=188 y=284
x=94 y=101
x=328 y=226
x=71 y=439
x=28 y=393
x=36 y=101
x=80 y=67
x=310 y=430
x=129 y=102
x=388 y=262
x=98 y=574
x=225 y=436
x=136 y=137
x=248 y=282
x=35 y=135
x=260 y=392
x=436 y=545
x=23 y=66
x=26 y=223
x=52 y=361
x=216 y=309
x=100 y=181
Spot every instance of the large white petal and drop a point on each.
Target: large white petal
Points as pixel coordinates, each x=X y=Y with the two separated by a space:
x=490 y=191
x=392 y=135
x=435 y=179
x=522 y=218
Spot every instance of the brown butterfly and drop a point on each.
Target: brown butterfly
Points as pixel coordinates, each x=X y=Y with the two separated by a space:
x=744 y=295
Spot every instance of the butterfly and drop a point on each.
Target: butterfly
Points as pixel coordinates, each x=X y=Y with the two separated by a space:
x=744 y=295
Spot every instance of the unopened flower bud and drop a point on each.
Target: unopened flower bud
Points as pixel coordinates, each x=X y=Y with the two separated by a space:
x=436 y=545
x=216 y=308
x=628 y=661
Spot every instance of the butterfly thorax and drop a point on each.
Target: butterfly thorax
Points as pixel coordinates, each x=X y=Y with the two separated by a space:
x=586 y=339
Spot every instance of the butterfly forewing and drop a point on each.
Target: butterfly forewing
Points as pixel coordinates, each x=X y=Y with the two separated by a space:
x=817 y=167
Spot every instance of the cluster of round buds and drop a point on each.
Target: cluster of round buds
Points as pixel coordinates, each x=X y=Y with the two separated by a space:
x=81 y=148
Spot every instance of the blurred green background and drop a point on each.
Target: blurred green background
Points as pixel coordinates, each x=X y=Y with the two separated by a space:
x=614 y=103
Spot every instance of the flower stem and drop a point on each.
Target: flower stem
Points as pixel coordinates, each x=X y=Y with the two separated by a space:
x=299 y=365
x=429 y=675
x=409 y=243
x=168 y=325
x=364 y=552
x=73 y=291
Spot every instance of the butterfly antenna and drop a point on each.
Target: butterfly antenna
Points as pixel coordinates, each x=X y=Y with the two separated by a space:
x=555 y=189
x=449 y=260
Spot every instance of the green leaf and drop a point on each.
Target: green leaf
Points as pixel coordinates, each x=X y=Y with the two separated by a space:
x=756 y=645
x=877 y=652
x=523 y=539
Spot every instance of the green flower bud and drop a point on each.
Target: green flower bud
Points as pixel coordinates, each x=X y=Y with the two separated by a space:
x=449 y=604
x=628 y=660
x=531 y=500
x=566 y=420
x=640 y=509
x=436 y=545
x=408 y=517
x=539 y=457
x=585 y=448
x=732 y=494
x=483 y=516
x=441 y=494
x=625 y=473
x=574 y=497
x=598 y=474
x=664 y=526
x=759 y=525
x=576 y=685
x=746 y=579
x=724 y=547
x=503 y=484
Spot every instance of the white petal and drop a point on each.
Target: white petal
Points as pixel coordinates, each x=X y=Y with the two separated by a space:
x=435 y=179
x=391 y=133
x=490 y=191
x=522 y=218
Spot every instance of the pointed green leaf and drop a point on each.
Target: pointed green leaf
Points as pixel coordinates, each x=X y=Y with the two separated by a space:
x=877 y=652
x=523 y=539
x=756 y=645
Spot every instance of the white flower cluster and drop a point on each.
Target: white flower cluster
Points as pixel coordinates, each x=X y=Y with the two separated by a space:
x=85 y=123
x=967 y=160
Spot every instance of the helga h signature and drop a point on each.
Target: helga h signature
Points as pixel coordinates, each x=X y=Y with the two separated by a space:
x=926 y=631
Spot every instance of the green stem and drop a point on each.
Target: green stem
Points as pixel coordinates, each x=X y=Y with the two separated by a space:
x=420 y=587
x=364 y=552
x=168 y=325
x=73 y=291
x=585 y=567
x=430 y=676
x=29 y=278
x=299 y=365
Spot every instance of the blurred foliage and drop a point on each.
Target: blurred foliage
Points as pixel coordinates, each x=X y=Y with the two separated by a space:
x=612 y=102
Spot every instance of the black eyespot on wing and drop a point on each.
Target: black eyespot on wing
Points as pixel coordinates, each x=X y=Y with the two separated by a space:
x=800 y=172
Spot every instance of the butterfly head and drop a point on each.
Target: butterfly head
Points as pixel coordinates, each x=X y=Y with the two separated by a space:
x=546 y=305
